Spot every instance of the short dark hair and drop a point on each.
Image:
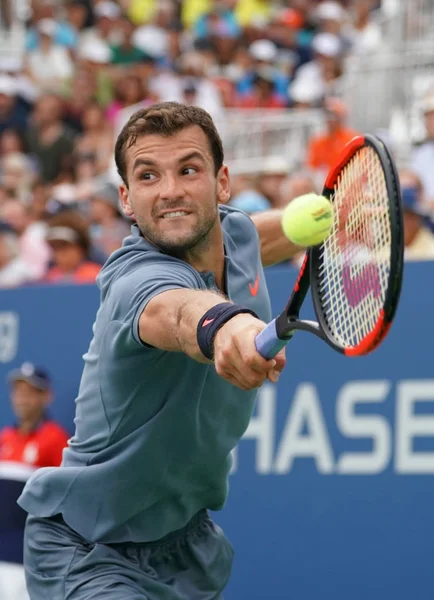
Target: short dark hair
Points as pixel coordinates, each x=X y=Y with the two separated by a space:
x=166 y=119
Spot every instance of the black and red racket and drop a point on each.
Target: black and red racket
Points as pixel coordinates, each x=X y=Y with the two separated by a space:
x=356 y=274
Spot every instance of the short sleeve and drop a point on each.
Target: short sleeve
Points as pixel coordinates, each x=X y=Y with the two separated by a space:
x=134 y=289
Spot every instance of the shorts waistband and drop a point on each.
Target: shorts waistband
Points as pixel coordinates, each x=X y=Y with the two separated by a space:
x=173 y=536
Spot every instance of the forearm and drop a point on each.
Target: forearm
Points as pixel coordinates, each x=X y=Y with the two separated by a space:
x=275 y=246
x=169 y=321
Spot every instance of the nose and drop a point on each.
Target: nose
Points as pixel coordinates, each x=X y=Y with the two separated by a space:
x=171 y=188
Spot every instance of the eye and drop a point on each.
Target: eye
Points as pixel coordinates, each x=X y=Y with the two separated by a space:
x=147 y=176
x=189 y=170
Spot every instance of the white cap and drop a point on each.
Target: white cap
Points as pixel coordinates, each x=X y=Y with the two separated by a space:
x=305 y=91
x=331 y=11
x=11 y=64
x=8 y=86
x=47 y=27
x=428 y=104
x=151 y=40
x=107 y=9
x=96 y=51
x=264 y=50
x=326 y=44
x=275 y=165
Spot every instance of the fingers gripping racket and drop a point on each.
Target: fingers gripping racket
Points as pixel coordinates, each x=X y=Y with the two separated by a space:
x=355 y=275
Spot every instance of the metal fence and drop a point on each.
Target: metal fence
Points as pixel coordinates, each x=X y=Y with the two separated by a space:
x=252 y=137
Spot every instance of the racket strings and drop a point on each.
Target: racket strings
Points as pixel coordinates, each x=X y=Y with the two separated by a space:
x=356 y=257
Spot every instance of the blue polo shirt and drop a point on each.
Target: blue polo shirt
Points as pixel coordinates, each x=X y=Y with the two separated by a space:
x=154 y=429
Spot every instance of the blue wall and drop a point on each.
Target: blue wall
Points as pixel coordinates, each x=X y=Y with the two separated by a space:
x=332 y=493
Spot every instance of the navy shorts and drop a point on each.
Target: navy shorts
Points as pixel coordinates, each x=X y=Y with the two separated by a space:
x=191 y=564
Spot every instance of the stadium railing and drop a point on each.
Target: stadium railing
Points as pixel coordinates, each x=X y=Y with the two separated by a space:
x=252 y=138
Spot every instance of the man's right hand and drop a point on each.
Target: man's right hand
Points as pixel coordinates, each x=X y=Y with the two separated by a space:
x=236 y=358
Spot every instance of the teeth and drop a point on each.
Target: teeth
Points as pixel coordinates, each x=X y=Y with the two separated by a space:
x=172 y=215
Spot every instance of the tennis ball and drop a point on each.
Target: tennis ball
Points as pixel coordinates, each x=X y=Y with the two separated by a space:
x=307 y=220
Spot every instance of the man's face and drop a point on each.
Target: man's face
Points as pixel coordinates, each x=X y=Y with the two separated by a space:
x=173 y=192
x=28 y=402
x=429 y=123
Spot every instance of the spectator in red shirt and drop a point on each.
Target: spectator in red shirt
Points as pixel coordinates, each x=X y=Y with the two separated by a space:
x=68 y=238
x=323 y=150
x=33 y=441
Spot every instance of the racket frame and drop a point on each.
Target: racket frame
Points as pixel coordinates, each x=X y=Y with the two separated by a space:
x=288 y=321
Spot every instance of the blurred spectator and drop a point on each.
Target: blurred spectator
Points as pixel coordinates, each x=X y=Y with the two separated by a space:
x=323 y=150
x=130 y=90
x=68 y=237
x=418 y=224
x=220 y=20
x=422 y=159
x=17 y=175
x=298 y=184
x=49 y=141
x=245 y=194
x=324 y=72
x=96 y=141
x=106 y=31
x=263 y=56
x=108 y=229
x=263 y=92
x=126 y=52
x=11 y=142
x=50 y=63
x=13 y=270
x=65 y=33
x=14 y=112
x=363 y=31
x=273 y=173
x=33 y=441
x=30 y=229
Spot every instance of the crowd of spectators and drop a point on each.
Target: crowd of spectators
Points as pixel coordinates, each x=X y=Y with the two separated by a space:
x=88 y=64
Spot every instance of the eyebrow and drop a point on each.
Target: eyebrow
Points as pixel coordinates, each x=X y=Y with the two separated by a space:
x=148 y=162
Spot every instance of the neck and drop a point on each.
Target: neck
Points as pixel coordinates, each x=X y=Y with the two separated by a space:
x=27 y=425
x=209 y=256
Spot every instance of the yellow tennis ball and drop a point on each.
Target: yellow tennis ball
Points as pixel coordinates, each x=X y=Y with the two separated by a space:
x=307 y=220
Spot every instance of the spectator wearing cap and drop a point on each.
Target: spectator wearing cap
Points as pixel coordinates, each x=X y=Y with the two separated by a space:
x=323 y=73
x=263 y=93
x=363 y=32
x=418 y=222
x=108 y=229
x=68 y=237
x=49 y=141
x=264 y=53
x=14 y=111
x=65 y=33
x=274 y=171
x=106 y=31
x=14 y=272
x=50 y=63
x=323 y=150
x=33 y=441
x=422 y=158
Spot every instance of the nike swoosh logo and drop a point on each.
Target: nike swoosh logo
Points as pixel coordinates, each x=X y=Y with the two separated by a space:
x=207 y=322
x=254 y=288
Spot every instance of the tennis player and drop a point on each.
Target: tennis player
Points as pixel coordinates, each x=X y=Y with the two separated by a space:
x=169 y=382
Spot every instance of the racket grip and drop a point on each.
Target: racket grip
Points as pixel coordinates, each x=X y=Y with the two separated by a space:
x=268 y=343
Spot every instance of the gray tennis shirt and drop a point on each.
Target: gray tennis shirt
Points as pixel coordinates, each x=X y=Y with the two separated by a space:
x=154 y=429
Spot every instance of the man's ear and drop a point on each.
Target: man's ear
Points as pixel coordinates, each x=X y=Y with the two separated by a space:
x=223 y=185
x=125 y=201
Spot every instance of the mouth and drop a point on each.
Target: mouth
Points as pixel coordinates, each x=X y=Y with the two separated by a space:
x=174 y=214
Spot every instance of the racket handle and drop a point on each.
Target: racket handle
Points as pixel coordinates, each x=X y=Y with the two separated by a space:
x=268 y=343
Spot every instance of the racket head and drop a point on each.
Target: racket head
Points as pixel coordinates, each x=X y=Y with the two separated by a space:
x=356 y=274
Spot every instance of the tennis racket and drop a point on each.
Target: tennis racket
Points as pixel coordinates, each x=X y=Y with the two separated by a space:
x=355 y=276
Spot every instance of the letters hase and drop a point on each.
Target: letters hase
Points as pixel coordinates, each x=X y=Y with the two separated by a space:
x=305 y=434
